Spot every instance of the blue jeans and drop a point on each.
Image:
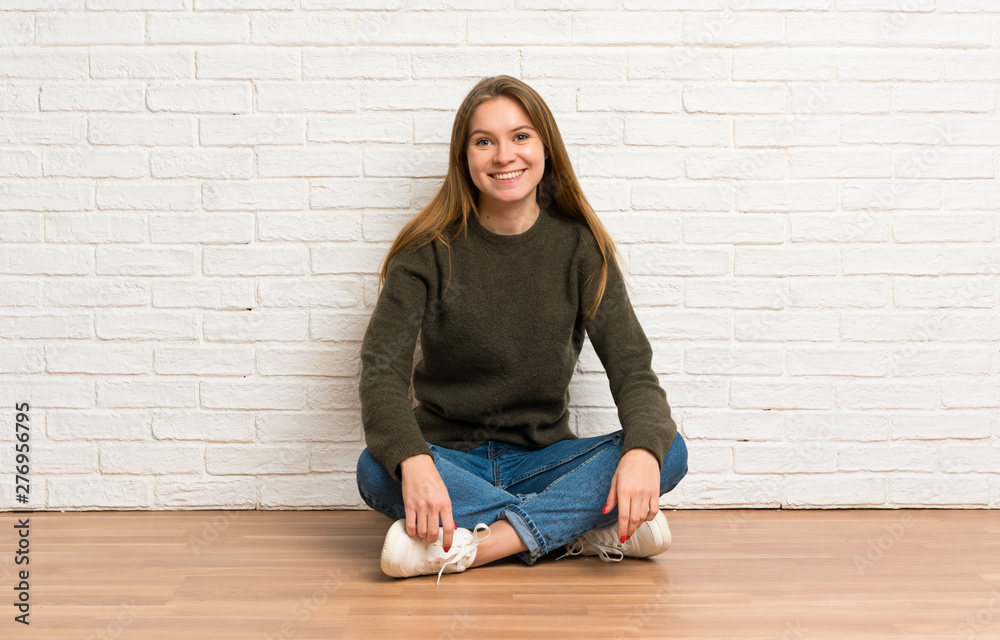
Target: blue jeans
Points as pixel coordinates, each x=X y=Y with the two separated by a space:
x=549 y=495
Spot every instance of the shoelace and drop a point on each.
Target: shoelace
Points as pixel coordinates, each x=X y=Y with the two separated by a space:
x=604 y=541
x=467 y=549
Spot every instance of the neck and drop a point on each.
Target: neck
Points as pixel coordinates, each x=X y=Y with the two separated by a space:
x=508 y=220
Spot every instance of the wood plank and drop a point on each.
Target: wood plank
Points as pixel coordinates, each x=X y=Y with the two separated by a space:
x=739 y=574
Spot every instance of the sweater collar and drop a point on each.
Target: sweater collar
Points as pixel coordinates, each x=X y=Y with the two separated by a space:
x=498 y=238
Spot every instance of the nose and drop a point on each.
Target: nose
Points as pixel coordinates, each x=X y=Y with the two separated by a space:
x=504 y=153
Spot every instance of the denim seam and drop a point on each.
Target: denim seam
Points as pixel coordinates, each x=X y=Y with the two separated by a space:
x=540 y=550
x=494 y=457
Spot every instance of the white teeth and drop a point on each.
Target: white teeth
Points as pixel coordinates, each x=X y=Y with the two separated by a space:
x=508 y=176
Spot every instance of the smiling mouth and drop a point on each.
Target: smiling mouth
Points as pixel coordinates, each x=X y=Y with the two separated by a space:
x=510 y=175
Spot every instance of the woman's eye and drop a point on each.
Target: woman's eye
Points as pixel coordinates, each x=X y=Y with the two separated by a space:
x=519 y=137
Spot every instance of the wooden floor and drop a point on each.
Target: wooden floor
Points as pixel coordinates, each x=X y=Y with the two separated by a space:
x=204 y=575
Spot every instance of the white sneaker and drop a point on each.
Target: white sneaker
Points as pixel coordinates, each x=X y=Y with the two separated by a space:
x=403 y=556
x=650 y=539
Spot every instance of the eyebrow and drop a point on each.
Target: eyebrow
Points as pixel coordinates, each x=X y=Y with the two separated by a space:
x=523 y=126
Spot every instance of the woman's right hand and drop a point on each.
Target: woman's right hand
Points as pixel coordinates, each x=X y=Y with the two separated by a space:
x=426 y=500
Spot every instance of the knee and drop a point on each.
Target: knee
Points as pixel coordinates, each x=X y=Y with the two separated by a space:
x=679 y=451
x=370 y=474
x=377 y=488
x=675 y=464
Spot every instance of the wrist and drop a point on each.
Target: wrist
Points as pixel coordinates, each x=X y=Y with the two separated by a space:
x=417 y=458
x=641 y=450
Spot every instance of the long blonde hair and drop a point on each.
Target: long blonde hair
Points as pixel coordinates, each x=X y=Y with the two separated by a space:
x=558 y=192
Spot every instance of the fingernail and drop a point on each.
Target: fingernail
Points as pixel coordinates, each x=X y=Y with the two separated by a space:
x=446 y=549
x=455 y=523
x=605 y=509
x=623 y=538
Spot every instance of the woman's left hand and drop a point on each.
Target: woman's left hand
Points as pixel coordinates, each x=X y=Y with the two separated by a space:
x=635 y=488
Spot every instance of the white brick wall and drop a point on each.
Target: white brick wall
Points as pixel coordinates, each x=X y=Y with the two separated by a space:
x=195 y=197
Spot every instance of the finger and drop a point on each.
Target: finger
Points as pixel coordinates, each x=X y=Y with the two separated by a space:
x=432 y=528
x=634 y=515
x=640 y=508
x=654 y=508
x=630 y=520
x=449 y=529
x=422 y=525
x=623 y=515
x=609 y=503
x=411 y=522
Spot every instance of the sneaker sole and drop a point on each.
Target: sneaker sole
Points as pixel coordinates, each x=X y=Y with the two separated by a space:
x=397 y=529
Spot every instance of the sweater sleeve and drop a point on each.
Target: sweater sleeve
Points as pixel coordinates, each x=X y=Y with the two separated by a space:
x=626 y=354
x=391 y=430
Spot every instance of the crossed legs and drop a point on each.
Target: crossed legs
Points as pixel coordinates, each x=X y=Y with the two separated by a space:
x=554 y=508
x=473 y=500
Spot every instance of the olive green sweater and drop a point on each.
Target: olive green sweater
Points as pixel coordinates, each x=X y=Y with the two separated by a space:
x=500 y=345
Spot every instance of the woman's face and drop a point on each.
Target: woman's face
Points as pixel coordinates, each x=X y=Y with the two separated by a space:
x=506 y=156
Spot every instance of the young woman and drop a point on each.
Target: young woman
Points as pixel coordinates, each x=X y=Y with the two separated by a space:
x=502 y=274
